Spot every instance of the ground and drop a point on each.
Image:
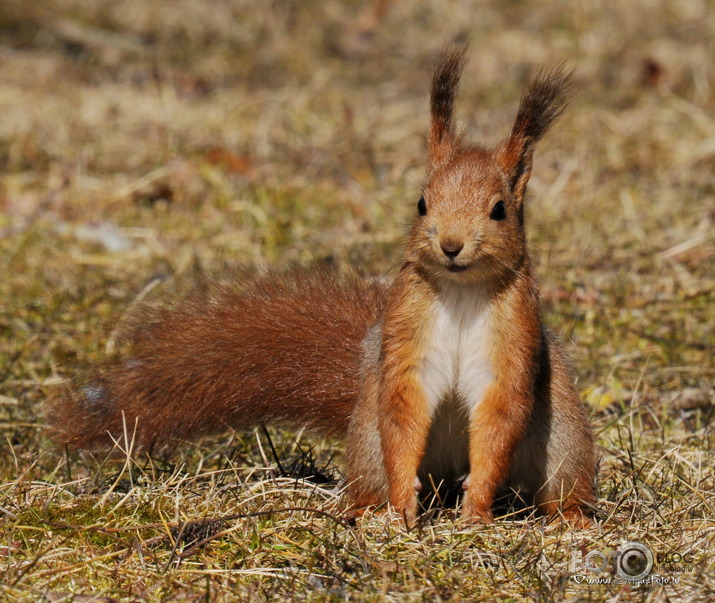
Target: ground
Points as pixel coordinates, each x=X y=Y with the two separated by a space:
x=143 y=144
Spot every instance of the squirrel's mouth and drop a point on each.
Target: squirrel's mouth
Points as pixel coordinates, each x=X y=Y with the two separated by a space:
x=456 y=268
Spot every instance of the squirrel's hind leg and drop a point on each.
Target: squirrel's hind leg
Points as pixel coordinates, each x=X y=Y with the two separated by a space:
x=364 y=464
x=556 y=459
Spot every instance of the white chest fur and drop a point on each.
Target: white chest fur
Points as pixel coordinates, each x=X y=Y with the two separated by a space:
x=456 y=363
x=455 y=374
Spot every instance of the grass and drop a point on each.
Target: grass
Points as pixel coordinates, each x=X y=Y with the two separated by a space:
x=143 y=141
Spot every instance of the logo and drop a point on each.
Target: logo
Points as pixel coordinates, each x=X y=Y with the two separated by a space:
x=632 y=563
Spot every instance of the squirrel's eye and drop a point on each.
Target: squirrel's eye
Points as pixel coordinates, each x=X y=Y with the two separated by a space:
x=498 y=211
x=422 y=207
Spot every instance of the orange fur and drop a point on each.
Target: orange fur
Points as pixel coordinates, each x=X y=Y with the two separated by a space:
x=499 y=422
x=277 y=347
x=404 y=422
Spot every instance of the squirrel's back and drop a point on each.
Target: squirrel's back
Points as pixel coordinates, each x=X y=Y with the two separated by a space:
x=280 y=347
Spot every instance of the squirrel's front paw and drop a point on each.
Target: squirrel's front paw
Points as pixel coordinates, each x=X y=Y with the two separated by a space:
x=475 y=509
x=405 y=516
x=474 y=514
x=407 y=513
x=576 y=519
x=405 y=507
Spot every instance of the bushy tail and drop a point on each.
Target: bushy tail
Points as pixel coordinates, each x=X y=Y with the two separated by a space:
x=281 y=347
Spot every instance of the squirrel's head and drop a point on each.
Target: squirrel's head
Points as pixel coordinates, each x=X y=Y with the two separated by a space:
x=469 y=223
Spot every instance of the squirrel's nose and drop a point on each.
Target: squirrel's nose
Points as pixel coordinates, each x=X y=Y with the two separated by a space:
x=451 y=248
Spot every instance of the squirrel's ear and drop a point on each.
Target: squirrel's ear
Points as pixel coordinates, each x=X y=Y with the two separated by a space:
x=541 y=105
x=442 y=139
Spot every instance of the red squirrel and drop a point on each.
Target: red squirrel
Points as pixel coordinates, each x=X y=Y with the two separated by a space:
x=446 y=371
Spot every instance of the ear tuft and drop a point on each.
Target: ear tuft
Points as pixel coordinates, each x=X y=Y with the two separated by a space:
x=541 y=105
x=444 y=88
